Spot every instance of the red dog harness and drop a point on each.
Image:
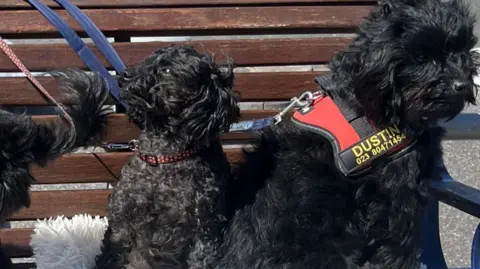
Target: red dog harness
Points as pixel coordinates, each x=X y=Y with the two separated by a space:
x=356 y=143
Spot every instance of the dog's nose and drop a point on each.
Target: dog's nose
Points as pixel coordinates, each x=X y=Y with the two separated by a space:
x=460 y=86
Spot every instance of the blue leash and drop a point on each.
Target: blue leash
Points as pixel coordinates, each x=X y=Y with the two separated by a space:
x=251 y=125
x=111 y=55
x=243 y=126
x=95 y=34
x=79 y=47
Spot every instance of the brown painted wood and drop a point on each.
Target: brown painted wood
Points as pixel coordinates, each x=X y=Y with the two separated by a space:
x=193 y=19
x=121 y=130
x=166 y=3
x=90 y=168
x=245 y=52
x=69 y=203
x=46 y=204
x=275 y=86
x=115 y=161
x=75 y=168
x=16 y=242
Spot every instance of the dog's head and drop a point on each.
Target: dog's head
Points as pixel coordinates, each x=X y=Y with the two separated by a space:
x=178 y=93
x=412 y=63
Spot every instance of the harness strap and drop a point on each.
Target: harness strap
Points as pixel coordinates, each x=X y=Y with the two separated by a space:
x=14 y=58
x=95 y=34
x=358 y=122
x=79 y=47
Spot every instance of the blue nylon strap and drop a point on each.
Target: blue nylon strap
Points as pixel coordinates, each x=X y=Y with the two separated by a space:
x=243 y=126
x=249 y=125
x=95 y=34
x=83 y=51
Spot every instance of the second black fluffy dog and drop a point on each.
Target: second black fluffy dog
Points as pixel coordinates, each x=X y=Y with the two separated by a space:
x=168 y=209
x=410 y=66
x=24 y=142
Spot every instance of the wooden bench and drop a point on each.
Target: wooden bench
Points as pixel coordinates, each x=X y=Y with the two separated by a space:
x=265 y=37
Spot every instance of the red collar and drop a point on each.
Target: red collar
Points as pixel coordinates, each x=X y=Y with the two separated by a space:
x=164 y=159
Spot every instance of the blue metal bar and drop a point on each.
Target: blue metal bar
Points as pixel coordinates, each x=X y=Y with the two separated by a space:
x=475 y=254
x=432 y=255
x=456 y=194
x=460 y=196
x=464 y=126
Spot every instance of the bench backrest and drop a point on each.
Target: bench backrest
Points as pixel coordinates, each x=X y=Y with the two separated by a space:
x=279 y=46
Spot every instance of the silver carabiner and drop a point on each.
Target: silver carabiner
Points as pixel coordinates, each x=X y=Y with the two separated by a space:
x=133 y=145
x=278 y=118
x=304 y=100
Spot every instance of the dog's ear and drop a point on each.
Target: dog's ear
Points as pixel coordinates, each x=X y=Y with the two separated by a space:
x=139 y=88
x=387 y=6
x=373 y=81
x=216 y=103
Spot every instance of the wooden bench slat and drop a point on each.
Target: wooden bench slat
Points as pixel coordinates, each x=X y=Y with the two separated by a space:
x=90 y=168
x=46 y=204
x=275 y=86
x=16 y=242
x=163 y=3
x=74 y=168
x=245 y=52
x=51 y=203
x=115 y=161
x=120 y=130
x=228 y=19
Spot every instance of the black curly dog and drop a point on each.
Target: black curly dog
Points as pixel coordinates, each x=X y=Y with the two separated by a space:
x=171 y=213
x=24 y=142
x=411 y=66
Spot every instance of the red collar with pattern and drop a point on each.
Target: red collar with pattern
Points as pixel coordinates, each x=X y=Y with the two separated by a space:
x=164 y=159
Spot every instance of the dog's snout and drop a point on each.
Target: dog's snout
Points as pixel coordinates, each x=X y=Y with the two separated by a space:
x=460 y=86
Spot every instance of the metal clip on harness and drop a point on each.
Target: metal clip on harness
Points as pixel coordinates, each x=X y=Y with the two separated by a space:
x=301 y=102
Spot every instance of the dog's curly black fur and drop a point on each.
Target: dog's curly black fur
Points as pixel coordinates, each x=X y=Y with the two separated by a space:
x=172 y=215
x=410 y=65
x=24 y=142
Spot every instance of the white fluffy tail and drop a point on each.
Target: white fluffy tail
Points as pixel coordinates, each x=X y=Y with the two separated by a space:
x=62 y=243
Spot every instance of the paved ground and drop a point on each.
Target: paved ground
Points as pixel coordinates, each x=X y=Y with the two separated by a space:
x=463 y=162
x=476 y=6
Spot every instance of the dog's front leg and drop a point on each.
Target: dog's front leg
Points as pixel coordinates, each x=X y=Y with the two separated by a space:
x=113 y=252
